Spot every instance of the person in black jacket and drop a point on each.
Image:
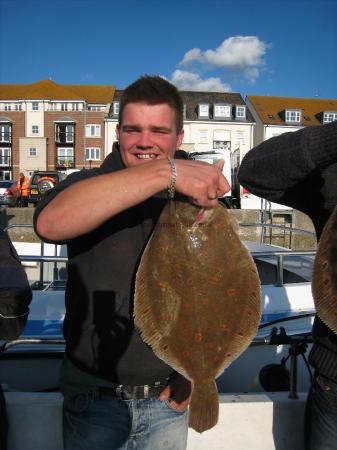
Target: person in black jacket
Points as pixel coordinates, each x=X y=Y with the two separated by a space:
x=299 y=169
x=117 y=393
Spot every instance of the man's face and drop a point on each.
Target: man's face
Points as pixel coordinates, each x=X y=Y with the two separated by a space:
x=147 y=133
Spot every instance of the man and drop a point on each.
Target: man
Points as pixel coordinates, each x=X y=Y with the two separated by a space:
x=23 y=188
x=300 y=170
x=118 y=394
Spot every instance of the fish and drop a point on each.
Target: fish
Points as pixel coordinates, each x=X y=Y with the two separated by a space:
x=197 y=299
x=324 y=276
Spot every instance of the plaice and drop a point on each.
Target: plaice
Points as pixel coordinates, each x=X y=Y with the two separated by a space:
x=197 y=299
x=324 y=278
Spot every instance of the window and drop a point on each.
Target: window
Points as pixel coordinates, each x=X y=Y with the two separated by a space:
x=221 y=111
x=240 y=112
x=35 y=129
x=18 y=107
x=5 y=155
x=5 y=133
x=221 y=139
x=64 y=133
x=65 y=156
x=95 y=108
x=204 y=110
x=54 y=107
x=240 y=137
x=293 y=116
x=8 y=107
x=32 y=152
x=115 y=108
x=75 y=106
x=329 y=116
x=64 y=106
x=35 y=106
x=93 y=130
x=93 y=154
x=203 y=135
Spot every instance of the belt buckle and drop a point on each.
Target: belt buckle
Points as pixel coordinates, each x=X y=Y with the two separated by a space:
x=146 y=390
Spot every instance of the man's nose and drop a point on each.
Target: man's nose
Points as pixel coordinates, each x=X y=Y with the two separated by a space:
x=144 y=140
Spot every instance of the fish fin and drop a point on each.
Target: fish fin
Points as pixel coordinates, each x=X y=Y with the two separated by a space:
x=204 y=405
x=324 y=277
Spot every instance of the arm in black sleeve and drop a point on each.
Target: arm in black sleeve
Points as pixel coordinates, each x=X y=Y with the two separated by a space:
x=287 y=169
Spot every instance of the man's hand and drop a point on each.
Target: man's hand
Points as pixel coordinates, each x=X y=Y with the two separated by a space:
x=178 y=391
x=203 y=183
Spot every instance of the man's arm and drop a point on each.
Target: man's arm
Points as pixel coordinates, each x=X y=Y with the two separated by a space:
x=280 y=168
x=79 y=209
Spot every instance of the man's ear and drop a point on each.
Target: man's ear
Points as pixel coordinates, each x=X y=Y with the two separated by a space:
x=180 y=138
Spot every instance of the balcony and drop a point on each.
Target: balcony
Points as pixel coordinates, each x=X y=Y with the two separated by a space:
x=65 y=162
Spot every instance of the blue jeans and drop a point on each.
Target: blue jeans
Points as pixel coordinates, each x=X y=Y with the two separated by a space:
x=98 y=422
x=321 y=416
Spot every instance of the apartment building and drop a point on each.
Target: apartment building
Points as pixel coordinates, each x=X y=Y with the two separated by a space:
x=46 y=125
x=277 y=115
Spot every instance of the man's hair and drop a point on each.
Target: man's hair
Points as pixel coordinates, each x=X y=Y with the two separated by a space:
x=153 y=90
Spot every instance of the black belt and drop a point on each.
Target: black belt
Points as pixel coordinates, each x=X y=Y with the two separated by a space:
x=133 y=392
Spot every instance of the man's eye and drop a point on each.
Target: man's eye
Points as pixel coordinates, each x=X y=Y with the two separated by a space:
x=161 y=131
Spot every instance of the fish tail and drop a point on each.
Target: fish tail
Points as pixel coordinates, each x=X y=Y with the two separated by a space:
x=204 y=405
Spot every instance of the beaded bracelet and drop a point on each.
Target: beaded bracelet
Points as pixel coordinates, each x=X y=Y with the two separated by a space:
x=172 y=187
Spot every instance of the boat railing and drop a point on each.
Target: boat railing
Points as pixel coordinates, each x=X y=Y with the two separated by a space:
x=280 y=255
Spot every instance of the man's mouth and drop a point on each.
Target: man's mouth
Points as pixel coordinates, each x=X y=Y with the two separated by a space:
x=146 y=155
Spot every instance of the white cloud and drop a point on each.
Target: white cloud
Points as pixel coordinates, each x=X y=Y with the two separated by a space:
x=240 y=53
x=191 y=81
x=192 y=55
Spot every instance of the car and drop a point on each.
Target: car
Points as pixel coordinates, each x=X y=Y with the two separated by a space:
x=9 y=193
x=41 y=182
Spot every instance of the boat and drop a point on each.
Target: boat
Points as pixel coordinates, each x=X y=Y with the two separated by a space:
x=262 y=394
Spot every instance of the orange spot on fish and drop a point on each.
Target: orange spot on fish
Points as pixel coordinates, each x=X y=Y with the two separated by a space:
x=224 y=327
x=231 y=292
x=198 y=337
x=161 y=285
x=169 y=317
x=189 y=281
x=240 y=333
x=213 y=280
x=177 y=268
x=205 y=301
x=185 y=353
x=229 y=253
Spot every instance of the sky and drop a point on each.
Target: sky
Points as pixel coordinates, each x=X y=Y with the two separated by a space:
x=253 y=47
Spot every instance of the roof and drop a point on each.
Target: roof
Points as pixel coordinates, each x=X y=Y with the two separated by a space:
x=49 y=90
x=193 y=98
x=270 y=109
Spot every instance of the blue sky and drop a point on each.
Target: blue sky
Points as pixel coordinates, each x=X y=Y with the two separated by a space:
x=283 y=48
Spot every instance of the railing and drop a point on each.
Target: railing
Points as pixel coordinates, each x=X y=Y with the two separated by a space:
x=278 y=254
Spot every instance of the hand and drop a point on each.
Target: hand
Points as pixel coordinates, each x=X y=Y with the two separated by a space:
x=203 y=183
x=178 y=391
